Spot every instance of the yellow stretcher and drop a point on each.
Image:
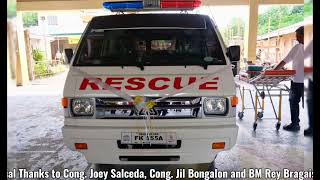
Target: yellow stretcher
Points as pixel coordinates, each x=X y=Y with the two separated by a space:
x=268 y=80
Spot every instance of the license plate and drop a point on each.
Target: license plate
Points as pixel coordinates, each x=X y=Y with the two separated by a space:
x=153 y=138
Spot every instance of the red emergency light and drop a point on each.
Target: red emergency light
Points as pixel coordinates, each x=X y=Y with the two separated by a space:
x=180 y=4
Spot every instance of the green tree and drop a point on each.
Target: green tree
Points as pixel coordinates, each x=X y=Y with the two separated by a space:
x=11 y=8
x=30 y=19
x=281 y=16
x=297 y=10
x=236 y=27
x=308 y=8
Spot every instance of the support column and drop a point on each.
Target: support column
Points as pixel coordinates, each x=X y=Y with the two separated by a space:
x=22 y=66
x=251 y=32
x=29 y=54
x=9 y=76
x=11 y=49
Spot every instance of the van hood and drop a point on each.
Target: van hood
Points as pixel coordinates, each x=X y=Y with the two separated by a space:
x=152 y=81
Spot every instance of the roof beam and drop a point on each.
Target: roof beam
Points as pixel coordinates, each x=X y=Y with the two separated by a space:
x=47 y=5
x=224 y=2
x=246 y=2
x=267 y=2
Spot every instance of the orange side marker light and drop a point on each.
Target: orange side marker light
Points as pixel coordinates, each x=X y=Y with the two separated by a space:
x=64 y=102
x=218 y=145
x=234 y=101
x=81 y=146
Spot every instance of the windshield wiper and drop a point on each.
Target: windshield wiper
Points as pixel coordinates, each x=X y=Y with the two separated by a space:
x=204 y=65
x=140 y=66
x=139 y=63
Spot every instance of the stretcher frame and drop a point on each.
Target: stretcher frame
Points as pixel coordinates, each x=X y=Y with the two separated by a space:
x=265 y=82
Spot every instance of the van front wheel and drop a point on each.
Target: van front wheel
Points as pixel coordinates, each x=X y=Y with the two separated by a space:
x=240 y=115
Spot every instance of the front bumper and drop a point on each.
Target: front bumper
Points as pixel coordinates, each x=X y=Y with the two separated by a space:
x=196 y=138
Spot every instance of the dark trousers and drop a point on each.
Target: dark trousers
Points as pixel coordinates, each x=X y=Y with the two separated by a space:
x=310 y=103
x=296 y=93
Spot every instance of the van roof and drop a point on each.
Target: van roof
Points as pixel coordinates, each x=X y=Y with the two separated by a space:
x=193 y=21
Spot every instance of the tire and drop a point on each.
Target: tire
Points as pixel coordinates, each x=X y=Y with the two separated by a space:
x=240 y=115
x=278 y=126
x=255 y=126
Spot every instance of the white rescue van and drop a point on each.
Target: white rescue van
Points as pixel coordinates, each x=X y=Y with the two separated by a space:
x=175 y=66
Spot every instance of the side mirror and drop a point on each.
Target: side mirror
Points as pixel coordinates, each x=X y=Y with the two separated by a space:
x=69 y=54
x=233 y=52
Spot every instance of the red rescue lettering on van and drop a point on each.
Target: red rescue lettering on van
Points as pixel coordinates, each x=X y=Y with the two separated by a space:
x=155 y=84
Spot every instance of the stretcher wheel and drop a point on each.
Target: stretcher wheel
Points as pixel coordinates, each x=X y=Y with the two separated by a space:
x=260 y=115
x=278 y=126
x=255 y=126
x=240 y=115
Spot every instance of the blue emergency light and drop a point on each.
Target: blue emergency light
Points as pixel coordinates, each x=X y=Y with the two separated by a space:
x=118 y=6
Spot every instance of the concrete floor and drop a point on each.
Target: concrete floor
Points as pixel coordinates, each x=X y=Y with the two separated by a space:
x=35 y=119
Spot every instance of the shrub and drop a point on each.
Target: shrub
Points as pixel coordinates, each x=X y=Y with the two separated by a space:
x=57 y=69
x=40 y=68
x=37 y=55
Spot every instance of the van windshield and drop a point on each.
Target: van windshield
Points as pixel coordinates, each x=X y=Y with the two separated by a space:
x=150 y=47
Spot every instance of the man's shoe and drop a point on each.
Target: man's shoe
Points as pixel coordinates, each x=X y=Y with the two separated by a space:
x=308 y=132
x=291 y=127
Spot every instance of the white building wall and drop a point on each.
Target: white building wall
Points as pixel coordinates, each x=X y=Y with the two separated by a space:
x=68 y=22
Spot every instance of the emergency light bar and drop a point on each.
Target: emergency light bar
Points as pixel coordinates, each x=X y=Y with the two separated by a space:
x=152 y=5
x=122 y=6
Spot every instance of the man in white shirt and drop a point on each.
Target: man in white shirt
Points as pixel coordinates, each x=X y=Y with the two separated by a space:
x=296 y=56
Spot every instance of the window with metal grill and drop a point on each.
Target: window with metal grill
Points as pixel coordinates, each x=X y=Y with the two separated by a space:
x=52 y=20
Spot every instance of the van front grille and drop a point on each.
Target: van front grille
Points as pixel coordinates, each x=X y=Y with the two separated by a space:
x=175 y=108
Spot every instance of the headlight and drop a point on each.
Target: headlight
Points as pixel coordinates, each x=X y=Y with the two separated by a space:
x=83 y=106
x=215 y=105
